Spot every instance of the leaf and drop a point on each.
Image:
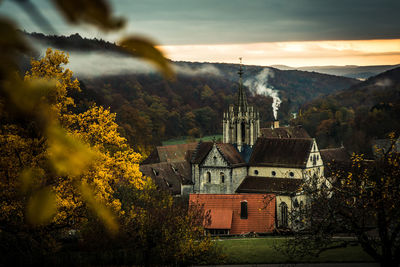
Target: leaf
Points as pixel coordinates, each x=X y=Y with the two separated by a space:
x=100 y=209
x=30 y=179
x=68 y=154
x=143 y=48
x=11 y=42
x=41 y=207
x=95 y=12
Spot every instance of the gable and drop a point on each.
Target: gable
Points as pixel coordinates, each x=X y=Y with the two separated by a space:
x=214 y=158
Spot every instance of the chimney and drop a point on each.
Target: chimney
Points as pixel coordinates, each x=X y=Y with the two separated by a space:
x=276 y=124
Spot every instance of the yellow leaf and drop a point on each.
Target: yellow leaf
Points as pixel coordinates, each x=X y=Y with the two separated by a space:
x=143 y=48
x=41 y=207
x=95 y=12
x=68 y=155
x=100 y=209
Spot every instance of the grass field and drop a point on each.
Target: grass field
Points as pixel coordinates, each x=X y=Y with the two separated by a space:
x=186 y=139
x=261 y=250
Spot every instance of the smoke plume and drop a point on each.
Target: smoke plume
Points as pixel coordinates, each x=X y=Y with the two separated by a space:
x=259 y=86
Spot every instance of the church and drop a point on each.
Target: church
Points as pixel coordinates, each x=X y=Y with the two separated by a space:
x=249 y=182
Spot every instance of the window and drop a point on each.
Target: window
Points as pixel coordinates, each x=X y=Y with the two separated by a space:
x=291 y=174
x=215 y=159
x=314 y=160
x=284 y=215
x=255 y=172
x=243 y=210
x=243 y=132
x=317 y=157
x=273 y=173
x=222 y=175
x=208 y=175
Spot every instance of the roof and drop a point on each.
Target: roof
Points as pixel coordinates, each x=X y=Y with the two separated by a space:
x=228 y=152
x=170 y=153
x=260 y=209
x=335 y=154
x=257 y=184
x=285 y=132
x=169 y=175
x=284 y=152
x=220 y=219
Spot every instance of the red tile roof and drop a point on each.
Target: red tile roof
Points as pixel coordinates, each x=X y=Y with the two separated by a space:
x=220 y=219
x=260 y=210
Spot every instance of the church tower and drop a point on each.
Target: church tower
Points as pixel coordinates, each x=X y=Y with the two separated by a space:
x=241 y=123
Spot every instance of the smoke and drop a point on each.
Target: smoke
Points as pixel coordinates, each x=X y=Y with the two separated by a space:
x=92 y=64
x=259 y=86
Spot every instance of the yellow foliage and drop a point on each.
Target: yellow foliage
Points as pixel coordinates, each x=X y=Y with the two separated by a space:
x=82 y=156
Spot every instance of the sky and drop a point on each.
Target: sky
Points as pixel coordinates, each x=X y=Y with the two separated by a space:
x=263 y=32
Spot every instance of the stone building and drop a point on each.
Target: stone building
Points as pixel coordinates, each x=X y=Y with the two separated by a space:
x=249 y=166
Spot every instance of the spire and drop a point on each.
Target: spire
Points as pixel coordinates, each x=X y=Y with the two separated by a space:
x=241 y=101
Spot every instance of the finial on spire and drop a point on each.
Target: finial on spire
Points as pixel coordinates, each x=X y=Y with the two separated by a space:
x=240 y=72
x=241 y=101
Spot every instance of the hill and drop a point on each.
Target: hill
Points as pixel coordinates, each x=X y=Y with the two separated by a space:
x=356 y=116
x=350 y=71
x=150 y=109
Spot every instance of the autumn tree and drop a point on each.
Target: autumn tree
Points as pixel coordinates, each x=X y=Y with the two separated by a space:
x=362 y=201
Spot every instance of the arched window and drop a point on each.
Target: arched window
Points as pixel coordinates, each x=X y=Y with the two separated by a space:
x=215 y=159
x=243 y=210
x=208 y=175
x=314 y=160
x=284 y=215
x=222 y=175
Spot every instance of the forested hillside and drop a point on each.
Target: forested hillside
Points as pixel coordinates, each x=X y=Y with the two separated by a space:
x=151 y=109
x=356 y=116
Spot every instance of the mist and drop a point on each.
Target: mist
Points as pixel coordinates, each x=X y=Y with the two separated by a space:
x=92 y=64
x=259 y=86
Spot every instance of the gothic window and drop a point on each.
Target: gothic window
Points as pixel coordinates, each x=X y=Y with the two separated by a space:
x=284 y=215
x=273 y=173
x=208 y=175
x=243 y=210
x=255 y=172
x=243 y=128
x=314 y=160
x=222 y=177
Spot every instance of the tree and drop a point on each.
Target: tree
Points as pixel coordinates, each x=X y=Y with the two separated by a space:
x=363 y=202
x=55 y=164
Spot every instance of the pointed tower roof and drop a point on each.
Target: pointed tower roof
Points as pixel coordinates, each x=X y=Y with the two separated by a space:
x=241 y=96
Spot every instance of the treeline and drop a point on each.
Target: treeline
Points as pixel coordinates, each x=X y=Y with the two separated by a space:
x=150 y=109
x=357 y=116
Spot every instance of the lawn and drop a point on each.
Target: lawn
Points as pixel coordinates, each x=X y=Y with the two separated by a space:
x=261 y=250
x=186 y=139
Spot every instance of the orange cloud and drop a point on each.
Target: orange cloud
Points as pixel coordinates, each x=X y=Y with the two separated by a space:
x=296 y=54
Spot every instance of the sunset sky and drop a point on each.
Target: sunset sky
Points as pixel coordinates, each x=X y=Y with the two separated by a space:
x=269 y=32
